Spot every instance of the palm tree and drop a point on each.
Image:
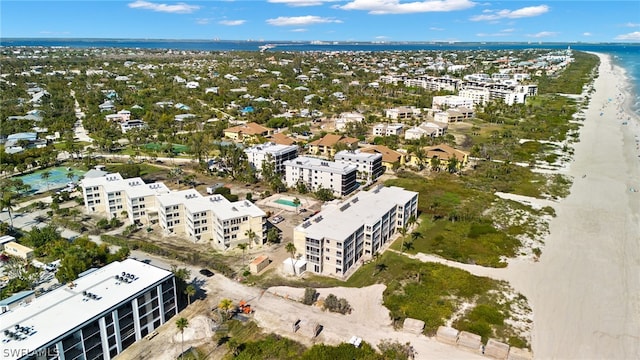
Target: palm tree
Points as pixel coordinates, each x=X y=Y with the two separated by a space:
x=243 y=247
x=291 y=249
x=403 y=232
x=296 y=203
x=226 y=305
x=45 y=176
x=7 y=203
x=411 y=221
x=182 y=324
x=251 y=235
x=189 y=291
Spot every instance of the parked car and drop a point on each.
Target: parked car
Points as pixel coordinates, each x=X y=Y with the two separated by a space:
x=277 y=219
x=206 y=272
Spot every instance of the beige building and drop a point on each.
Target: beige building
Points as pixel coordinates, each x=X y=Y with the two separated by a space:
x=343 y=234
x=14 y=249
x=213 y=218
x=247 y=132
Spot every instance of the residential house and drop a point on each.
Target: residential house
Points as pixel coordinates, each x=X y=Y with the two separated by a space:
x=325 y=146
x=347 y=117
x=247 y=132
x=453 y=115
x=402 y=112
x=125 y=126
x=443 y=153
x=426 y=129
x=387 y=129
x=391 y=159
x=18 y=250
x=281 y=139
x=107 y=106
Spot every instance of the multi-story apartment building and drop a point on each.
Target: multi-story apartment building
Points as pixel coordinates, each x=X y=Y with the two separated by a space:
x=478 y=96
x=96 y=316
x=387 y=129
x=185 y=213
x=226 y=224
x=325 y=146
x=277 y=154
x=333 y=241
x=318 y=173
x=453 y=115
x=369 y=165
x=426 y=129
x=111 y=194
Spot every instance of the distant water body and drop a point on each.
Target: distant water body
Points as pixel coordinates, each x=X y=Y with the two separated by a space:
x=626 y=55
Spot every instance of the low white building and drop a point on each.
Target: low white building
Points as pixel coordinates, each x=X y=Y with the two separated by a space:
x=347 y=117
x=343 y=234
x=369 y=164
x=276 y=153
x=387 y=129
x=132 y=124
x=453 y=115
x=426 y=129
x=479 y=96
x=451 y=101
x=317 y=173
x=402 y=112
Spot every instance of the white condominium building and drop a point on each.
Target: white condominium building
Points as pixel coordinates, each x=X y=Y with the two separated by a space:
x=479 y=96
x=97 y=316
x=226 y=224
x=185 y=212
x=402 y=112
x=318 y=173
x=451 y=101
x=256 y=155
x=111 y=194
x=369 y=165
x=334 y=240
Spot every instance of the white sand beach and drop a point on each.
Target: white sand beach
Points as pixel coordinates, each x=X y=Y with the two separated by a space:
x=585 y=290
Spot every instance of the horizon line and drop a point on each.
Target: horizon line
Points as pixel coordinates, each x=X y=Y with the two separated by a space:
x=328 y=42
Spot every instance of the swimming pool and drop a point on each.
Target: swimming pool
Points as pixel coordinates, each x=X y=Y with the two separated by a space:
x=285 y=202
x=58 y=178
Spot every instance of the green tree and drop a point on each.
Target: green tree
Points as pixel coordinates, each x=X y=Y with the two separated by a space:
x=190 y=291
x=45 y=175
x=181 y=324
x=251 y=235
x=7 y=202
x=296 y=203
x=227 y=306
x=291 y=249
x=243 y=247
x=403 y=232
x=273 y=235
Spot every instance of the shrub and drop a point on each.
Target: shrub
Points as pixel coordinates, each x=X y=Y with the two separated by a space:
x=333 y=304
x=310 y=295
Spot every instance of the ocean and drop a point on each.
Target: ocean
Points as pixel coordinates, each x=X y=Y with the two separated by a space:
x=626 y=55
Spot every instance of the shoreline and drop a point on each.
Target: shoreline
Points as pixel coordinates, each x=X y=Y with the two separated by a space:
x=585 y=290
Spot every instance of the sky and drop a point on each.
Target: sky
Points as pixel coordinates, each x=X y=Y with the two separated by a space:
x=325 y=20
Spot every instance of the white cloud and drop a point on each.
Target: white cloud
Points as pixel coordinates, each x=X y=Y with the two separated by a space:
x=300 y=3
x=179 y=8
x=634 y=36
x=382 y=7
x=381 y=37
x=632 y=25
x=301 y=20
x=586 y=34
x=231 y=22
x=433 y=28
x=299 y=30
x=504 y=32
x=202 y=21
x=543 y=34
x=530 y=11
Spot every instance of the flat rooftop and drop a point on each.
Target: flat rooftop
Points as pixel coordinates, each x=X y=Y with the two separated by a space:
x=321 y=165
x=65 y=309
x=337 y=221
